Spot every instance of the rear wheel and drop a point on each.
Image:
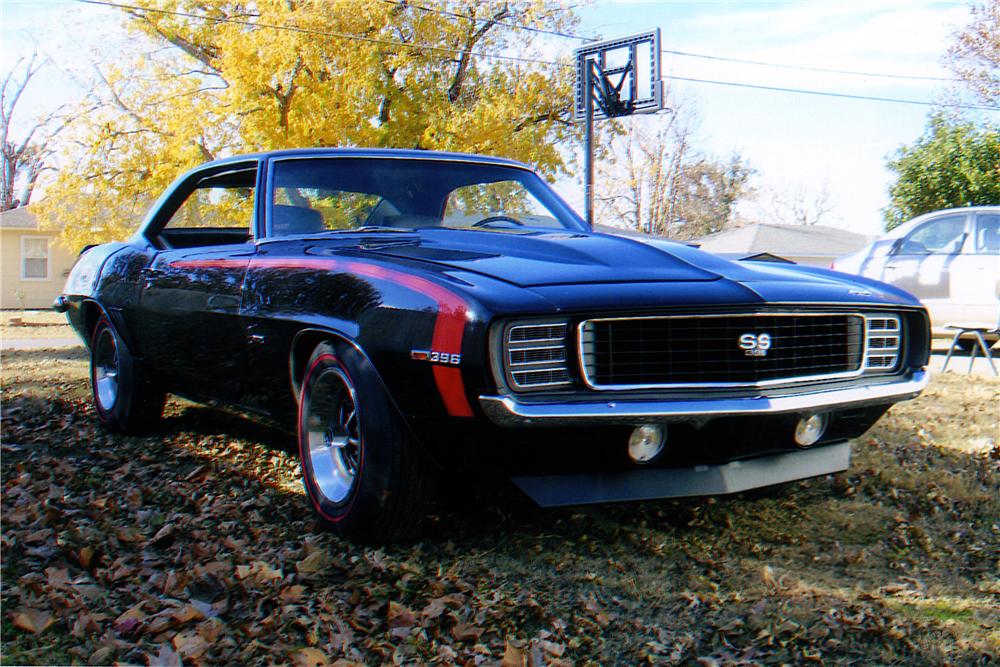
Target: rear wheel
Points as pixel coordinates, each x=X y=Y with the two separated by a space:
x=126 y=402
x=362 y=470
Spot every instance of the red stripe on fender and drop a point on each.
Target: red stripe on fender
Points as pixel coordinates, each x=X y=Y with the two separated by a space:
x=449 y=326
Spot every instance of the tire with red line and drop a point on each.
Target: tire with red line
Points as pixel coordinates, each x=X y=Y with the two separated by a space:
x=126 y=401
x=365 y=475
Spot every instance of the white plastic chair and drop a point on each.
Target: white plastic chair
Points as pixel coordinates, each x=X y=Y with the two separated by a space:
x=978 y=330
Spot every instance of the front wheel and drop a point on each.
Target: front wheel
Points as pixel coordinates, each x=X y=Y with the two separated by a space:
x=126 y=402
x=362 y=470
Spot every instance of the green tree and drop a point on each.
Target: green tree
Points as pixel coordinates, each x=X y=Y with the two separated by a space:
x=246 y=75
x=955 y=163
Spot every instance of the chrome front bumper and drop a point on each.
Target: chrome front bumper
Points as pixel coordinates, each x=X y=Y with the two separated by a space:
x=509 y=411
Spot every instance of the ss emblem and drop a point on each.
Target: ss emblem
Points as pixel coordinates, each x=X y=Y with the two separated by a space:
x=755 y=345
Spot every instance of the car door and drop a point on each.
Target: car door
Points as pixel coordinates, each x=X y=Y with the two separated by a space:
x=975 y=275
x=190 y=327
x=921 y=263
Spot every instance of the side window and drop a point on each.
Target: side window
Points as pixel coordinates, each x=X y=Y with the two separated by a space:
x=988 y=234
x=218 y=211
x=474 y=203
x=943 y=236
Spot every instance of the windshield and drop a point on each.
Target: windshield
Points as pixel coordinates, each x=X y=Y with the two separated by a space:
x=386 y=194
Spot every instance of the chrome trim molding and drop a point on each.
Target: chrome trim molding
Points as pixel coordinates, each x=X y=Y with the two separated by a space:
x=888 y=330
x=585 y=374
x=508 y=411
x=702 y=480
x=529 y=374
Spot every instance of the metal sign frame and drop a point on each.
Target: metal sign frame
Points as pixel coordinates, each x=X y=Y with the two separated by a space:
x=600 y=83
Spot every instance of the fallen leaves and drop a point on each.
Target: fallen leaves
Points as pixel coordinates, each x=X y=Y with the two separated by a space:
x=190 y=645
x=310 y=657
x=467 y=632
x=32 y=620
x=318 y=562
x=186 y=547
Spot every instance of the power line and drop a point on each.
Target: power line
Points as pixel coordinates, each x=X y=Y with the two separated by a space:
x=497 y=56
x=826 y=93
x=687 y=54
x=324 y=33
x=805 y=68
x=507 y=24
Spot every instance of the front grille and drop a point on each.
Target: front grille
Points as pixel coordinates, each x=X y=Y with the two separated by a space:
x=721 y=350
x=535 y=355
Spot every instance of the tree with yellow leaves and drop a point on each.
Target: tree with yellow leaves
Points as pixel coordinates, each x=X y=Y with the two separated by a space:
x=248 y=75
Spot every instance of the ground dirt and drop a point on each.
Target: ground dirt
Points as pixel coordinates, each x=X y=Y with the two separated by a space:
x=21 y=324
x=196 y=545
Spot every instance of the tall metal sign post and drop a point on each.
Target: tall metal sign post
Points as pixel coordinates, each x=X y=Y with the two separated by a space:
x=615 y=78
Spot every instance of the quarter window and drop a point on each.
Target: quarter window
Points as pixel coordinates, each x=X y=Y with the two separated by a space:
x=34 y=258
x=988 y=234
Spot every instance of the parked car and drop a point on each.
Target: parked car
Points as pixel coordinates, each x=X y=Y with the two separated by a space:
x=414 y=315
x=949 y=259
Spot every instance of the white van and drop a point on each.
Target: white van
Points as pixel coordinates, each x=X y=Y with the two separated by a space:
x=949 y=259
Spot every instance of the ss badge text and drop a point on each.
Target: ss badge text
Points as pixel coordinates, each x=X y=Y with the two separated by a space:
x=755 y=345
x=436 y=357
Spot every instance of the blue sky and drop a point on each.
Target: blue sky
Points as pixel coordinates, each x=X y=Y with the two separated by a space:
x=800 y=145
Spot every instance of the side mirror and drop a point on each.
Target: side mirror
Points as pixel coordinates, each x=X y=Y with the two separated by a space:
x=895 y=247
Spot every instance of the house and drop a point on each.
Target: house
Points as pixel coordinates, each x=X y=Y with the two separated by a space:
x=815 y=245
x=33 y=266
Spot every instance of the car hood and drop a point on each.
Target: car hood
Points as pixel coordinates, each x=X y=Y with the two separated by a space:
x=565 y=267
x=536 y=259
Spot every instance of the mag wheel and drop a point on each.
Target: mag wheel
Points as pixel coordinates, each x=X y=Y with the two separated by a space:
x=126 y=402
x=332 y=434
x=365 y=475
x=105 y=364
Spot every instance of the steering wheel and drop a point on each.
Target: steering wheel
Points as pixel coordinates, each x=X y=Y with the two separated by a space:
x=497 y=218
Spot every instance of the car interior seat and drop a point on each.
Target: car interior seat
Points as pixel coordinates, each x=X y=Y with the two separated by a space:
x=288 y=220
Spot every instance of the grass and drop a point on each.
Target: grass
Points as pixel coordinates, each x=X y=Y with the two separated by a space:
x=20 y=324
x=894 y=562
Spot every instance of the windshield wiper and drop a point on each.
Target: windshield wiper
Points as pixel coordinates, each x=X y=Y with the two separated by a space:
x=381 y=228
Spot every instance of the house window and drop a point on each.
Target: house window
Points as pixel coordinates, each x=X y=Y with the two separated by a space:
x=34 y=258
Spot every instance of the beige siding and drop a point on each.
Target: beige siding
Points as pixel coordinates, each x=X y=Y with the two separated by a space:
x=37 y=293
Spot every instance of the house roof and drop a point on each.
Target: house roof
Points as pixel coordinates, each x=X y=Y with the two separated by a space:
x=785 y=240
x=18 y=218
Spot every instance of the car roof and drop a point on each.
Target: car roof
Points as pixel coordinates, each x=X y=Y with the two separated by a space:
x=391 y=153
x=905 y=227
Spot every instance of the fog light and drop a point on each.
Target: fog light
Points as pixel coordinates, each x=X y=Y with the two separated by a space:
x=646 y=442
x=810 y=429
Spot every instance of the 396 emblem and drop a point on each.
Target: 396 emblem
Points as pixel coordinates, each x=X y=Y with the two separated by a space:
x=436 y=357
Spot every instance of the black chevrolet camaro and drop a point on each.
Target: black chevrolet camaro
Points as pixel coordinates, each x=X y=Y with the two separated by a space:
x=415 y=315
